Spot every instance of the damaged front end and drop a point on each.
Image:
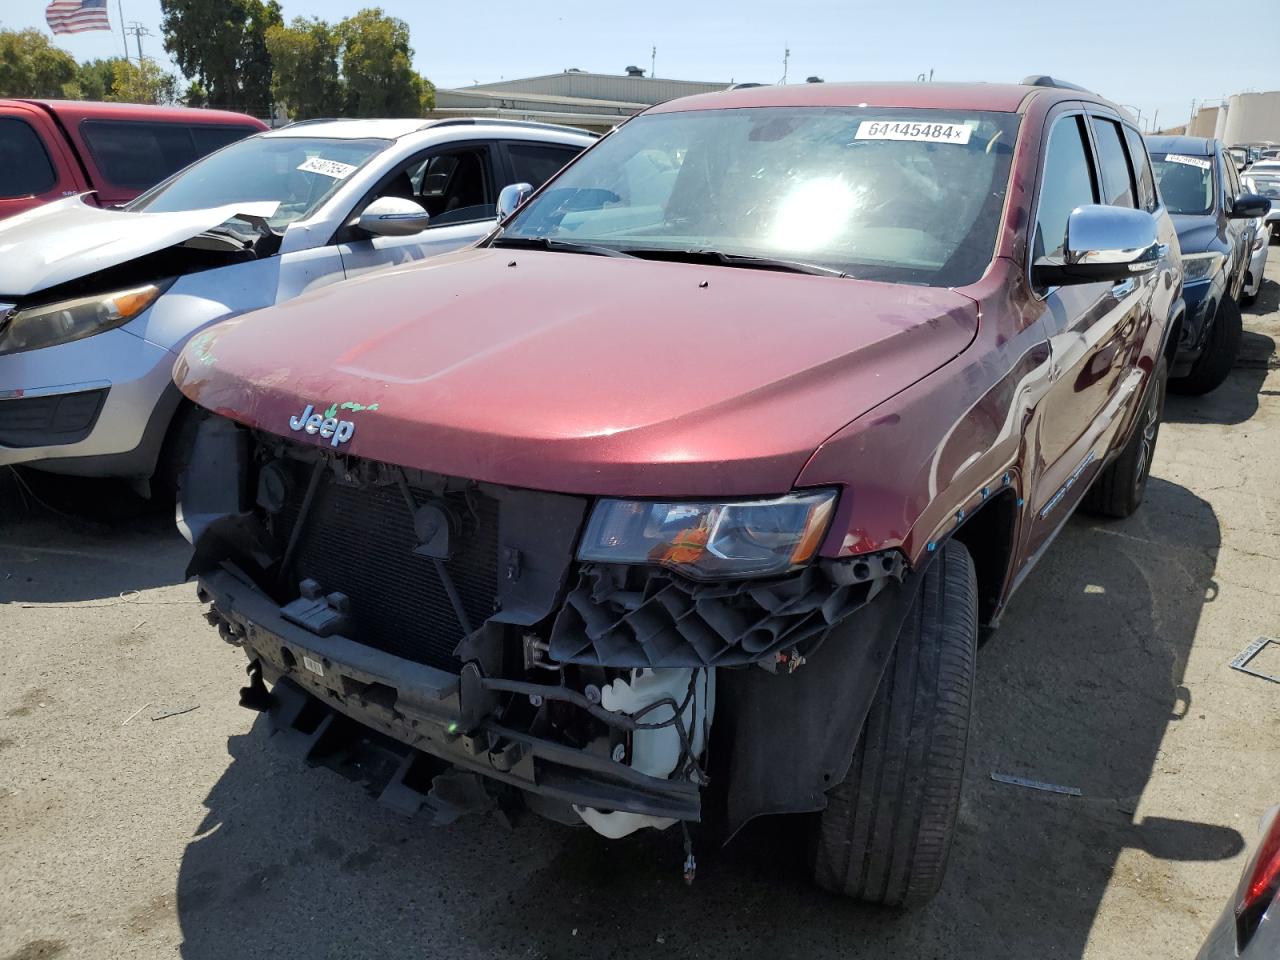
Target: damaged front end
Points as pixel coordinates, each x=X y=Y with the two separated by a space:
x=450 y=625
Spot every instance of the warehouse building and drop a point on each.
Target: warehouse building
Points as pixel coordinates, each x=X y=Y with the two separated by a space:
x=594 y=101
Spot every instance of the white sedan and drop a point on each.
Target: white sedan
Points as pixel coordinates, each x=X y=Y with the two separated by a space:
x=95 y=304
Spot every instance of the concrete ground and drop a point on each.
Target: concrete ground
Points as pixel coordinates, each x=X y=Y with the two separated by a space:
x=128 y=833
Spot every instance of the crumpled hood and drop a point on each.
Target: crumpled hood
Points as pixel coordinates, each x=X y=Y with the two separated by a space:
x=67 y=239
x=581 y=374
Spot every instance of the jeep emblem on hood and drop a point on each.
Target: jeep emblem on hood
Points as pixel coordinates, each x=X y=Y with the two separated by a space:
x=330 y=428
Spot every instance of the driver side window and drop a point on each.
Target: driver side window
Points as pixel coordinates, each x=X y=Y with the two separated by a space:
x=454 y=185
x=1068 y=182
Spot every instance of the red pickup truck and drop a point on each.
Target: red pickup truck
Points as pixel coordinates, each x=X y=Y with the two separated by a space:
x=55 y=148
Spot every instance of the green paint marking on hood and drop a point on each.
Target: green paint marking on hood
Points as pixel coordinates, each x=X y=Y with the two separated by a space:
x=357 y=407
x=200 y=346
x=331 y=412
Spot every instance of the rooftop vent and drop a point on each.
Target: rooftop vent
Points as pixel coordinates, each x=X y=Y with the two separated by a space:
x=813 y=80
x=634 y=72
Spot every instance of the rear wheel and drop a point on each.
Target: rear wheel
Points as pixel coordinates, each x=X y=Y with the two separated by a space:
x=1219 y=355
x=887 y=829
x=1119 y=489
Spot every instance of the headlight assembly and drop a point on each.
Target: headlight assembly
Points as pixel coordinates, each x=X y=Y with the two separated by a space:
x=710 y=540
x=46 y=325
x=1198 y=267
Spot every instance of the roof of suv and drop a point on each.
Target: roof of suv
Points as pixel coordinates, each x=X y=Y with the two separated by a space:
x=997 y=97
x=75 y=110
x=396 y=128
x=1190 y=146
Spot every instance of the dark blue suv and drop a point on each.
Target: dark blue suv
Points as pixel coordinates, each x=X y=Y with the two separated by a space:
x=1201 y=189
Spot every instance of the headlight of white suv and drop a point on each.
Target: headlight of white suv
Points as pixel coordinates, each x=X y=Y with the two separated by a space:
x=1198 y=267
x=711 y=540
x=49 y=324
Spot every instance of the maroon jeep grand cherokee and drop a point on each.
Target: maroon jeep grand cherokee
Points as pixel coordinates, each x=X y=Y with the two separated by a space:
x=683 y=495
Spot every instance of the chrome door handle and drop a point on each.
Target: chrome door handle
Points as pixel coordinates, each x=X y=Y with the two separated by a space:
x=1123 y=288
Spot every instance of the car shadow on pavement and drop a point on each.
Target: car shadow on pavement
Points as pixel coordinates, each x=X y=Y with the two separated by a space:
x=115 y=541
x=1077 y=688
x=1237 y=399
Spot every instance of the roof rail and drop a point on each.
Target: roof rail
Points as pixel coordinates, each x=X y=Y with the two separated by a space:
x=303 y=123
x=1044 y=80
x=522 y=124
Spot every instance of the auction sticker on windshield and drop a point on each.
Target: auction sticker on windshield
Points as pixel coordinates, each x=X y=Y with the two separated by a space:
x=907 y=130
x=328 y=168
x=1201 y=162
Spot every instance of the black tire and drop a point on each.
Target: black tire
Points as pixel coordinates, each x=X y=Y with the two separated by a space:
x=176 y=452
x=1219 y=355
x=1118 y=490
x=887 y=829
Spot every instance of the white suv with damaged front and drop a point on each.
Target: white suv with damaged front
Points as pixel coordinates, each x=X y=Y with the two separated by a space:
x=96 y=303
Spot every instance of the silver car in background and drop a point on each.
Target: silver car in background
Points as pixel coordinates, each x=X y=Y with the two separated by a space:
x=1249 y=927
x=96 y=303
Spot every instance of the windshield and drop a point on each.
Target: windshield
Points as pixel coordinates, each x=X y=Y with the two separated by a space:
x=1186 y=183
x=910 y=196
x=300 y=173
x=1263 y=184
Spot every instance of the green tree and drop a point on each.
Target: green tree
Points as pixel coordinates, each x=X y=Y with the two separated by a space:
x=147 y=83
x=196 y=95
x=31 y=66
x=96 y=77
x=222 y=44
x=304 y=59
x=377 y=67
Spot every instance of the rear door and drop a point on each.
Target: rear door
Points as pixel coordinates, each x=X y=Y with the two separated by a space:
x=535 y=163
x=35 y=164
x=1092 y=328
x=457 y=184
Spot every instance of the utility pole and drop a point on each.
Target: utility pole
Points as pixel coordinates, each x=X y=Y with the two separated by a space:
x=123 y=36
x=653 y=62
x=786 y=59
x=139 y=31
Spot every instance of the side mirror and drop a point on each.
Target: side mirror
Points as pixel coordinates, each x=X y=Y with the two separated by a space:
x=1103 y=244
x=512 y=195
x=1249 y=205
x=393 y=217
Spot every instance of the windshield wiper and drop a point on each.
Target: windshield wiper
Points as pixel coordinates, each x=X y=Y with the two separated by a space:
x=566 y=246
x=739 y=260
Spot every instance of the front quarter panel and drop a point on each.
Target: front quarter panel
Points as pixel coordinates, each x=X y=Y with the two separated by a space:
x=910 y=466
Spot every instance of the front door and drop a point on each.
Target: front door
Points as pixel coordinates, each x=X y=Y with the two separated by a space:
x=456 y=185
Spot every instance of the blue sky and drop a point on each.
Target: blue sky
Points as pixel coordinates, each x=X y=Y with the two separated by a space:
x=1151 y=55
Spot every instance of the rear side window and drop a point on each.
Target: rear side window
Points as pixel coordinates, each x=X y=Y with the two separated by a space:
x=138 y=154
x=1068 y=183
x=1142 y=169
x=1117 y=180
x=536 y=163
x=27 y=170
x=214 y=137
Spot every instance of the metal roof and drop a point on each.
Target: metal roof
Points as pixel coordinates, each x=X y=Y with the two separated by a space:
x=1191 y=146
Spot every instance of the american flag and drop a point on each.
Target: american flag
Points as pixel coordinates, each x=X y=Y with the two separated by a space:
x=77 y=16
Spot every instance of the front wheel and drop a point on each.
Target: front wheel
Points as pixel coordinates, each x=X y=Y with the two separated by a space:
x=1214 y=365
x=887 y=829
x=1119 y=489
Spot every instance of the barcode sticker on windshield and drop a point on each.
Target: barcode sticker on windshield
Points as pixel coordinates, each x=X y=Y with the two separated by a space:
x=328 y=168
x=1201 y=162
x=904 y=130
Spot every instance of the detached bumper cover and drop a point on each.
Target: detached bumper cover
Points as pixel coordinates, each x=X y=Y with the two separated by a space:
x=421 y=707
